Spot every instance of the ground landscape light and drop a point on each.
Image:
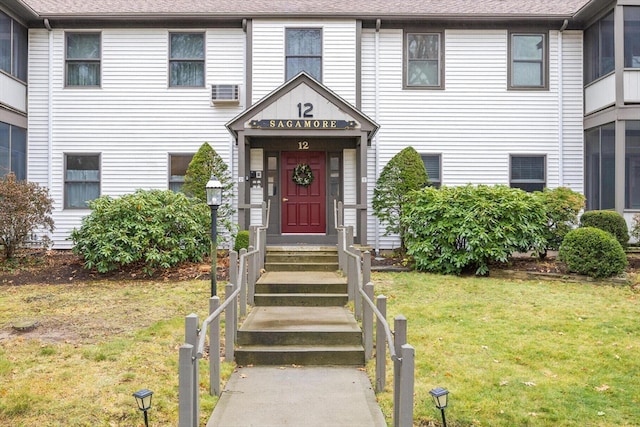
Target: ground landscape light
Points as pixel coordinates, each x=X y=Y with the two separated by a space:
x=440 y=398
x=214 y=200
x=143 y=399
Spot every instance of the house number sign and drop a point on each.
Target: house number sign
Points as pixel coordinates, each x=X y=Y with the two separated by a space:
x=305 y=121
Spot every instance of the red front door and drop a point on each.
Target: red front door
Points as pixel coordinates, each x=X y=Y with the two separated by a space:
x=303 y=207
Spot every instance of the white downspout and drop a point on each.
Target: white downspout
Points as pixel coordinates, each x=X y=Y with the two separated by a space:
x=50 y=108
x=560 y=106
x=376 y=114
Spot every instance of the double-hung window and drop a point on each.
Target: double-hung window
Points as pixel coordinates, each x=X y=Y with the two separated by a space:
x=82 y=58
x=423 y=60
x=528 y=53
x=13 y=151
x=81 y=180
x=599 y=49
x=527 y=172
x=178 y=164
x=632 y=36
x=432 y=165
x=303 y=52
x=186 y=59
x=13 y=47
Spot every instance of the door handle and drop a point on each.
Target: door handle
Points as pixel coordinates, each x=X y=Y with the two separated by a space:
x=284 y=199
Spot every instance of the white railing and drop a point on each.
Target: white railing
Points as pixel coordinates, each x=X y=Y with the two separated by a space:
x=357 y=268
x=243 y=276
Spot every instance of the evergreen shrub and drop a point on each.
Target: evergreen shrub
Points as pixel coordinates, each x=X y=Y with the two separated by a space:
x=404 y=173
x=593 y=252
x=610 y=221
x=562 y=206
x=159 y=228
x=242 y=240
x=459 y=228
x=205 y=162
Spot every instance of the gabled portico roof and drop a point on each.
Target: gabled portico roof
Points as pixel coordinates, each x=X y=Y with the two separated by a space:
x=333 y=107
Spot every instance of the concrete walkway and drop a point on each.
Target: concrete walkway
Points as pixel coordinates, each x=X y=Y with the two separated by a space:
x=310 y=396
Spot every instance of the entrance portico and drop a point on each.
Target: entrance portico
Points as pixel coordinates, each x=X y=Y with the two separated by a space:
x=303 y=147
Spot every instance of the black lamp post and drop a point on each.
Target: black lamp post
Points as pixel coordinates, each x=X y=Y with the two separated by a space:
x=143 y=399
x=214 y=199
x=440 y=398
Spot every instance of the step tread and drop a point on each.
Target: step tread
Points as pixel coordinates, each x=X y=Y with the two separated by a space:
x=299 y=348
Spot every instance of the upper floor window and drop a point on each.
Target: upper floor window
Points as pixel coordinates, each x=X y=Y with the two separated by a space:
x=13 y=151
x=81 y=179
x=423 y=53
x=527 y=172
x=13 y=47
x=186 y=59
x=599 y=49
x=632 y=36
x=528 y=57
x=432 y=165
x=303 y=52
x=178 y=164
x=82 y=59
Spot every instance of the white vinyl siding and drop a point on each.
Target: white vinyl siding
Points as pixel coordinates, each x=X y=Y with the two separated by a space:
x=338 y=55
x=134 y=120
x=475 y=123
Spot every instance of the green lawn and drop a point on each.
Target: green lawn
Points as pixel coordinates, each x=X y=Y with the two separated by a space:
x=520 y=353
x=512 y=353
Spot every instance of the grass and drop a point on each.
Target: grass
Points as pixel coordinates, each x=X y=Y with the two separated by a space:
x=512 y=353
x=519 y=353
x=97 y=344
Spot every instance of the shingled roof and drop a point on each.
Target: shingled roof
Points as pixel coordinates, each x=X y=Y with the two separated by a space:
x=278 y=8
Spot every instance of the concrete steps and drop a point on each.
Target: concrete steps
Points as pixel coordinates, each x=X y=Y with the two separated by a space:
x=300 y=319
x=301 y=258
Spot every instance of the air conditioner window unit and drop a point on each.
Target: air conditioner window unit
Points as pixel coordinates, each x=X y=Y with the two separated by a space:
x=225 y=94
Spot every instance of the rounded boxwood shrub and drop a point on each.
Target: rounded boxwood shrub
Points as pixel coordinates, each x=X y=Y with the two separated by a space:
x=242 y=240
x=594 y=252
x=610 y=221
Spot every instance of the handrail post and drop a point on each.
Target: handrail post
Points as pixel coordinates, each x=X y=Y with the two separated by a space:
x=340 y=213
x=242 y=282
x=233 y=267
x=367 y=323
x=191 y=338
x=230 y=325
x=214 y=349
x=185 y=387
x=341 y=263
x=349 y=236
x=351 y=280
x=381 y=357
x=356 y=265
x=400 y=339
x=407 y=385
x=366 y=267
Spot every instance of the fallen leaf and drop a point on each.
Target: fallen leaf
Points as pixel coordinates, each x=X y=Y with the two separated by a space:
x=243 y=375
x=602 y=388
x=529 y=383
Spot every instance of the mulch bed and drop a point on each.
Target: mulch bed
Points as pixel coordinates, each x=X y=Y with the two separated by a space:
x=63 y=266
